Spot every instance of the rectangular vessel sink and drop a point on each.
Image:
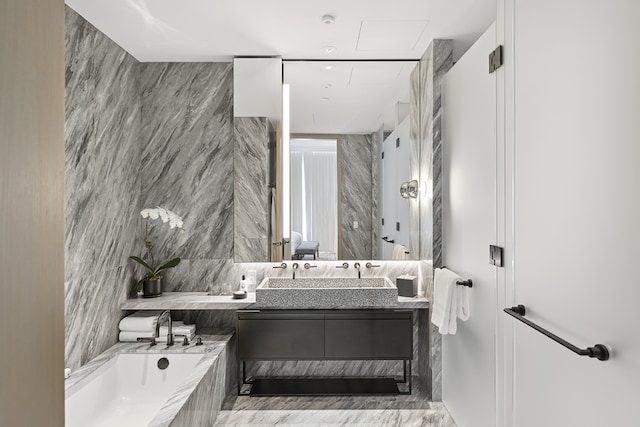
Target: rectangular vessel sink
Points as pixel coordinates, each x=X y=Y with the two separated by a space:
x=325 y=292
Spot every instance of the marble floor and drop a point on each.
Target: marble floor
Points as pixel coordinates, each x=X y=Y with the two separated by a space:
x=402 y=410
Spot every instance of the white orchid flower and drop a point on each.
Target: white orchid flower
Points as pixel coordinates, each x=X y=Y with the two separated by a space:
x=165 y=215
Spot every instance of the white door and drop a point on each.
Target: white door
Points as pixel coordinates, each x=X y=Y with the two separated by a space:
x=576 y=210
x=469 y=227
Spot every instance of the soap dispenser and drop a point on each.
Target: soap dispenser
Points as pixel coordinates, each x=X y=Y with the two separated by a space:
x=242 y=292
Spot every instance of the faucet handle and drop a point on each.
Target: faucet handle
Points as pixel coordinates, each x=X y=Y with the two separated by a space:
x=370 y=265
x=185 y=340
x=344 y=265
x=308 y=266
x=282 y=266
x=198 y=340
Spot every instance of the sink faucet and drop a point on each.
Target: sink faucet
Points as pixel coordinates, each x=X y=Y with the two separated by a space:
x=165 y=314
x=294 y=267
x=357 y=267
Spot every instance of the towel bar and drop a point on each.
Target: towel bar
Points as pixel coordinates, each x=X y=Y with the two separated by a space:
x=468 y=283
x=599 y=351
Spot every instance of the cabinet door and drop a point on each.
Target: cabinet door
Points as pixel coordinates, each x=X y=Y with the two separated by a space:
x=276 y=338
x=385 y=336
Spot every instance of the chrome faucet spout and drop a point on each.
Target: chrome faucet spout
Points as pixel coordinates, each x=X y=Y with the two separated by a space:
x=166 y=315
x=357 y=267
x=294 y=267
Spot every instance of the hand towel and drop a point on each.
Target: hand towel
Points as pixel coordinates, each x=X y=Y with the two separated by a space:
x=142 y=321
x=132 y=336
x=445 y=299
x=400 y=252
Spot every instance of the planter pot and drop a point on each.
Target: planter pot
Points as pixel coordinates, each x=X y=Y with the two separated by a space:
x=152 y=288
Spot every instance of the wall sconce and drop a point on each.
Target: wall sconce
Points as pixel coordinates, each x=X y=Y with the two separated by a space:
x=409 y=189
x=413 y=189
x=404 y=190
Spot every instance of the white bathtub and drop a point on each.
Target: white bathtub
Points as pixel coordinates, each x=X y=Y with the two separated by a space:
x=128 y=390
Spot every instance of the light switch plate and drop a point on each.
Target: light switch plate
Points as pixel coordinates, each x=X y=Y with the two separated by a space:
x=355 y=225
x=251 y=277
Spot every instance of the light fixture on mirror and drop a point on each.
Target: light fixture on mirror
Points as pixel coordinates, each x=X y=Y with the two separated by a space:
x=413 y=189
x=410 y=189
x=404 y=190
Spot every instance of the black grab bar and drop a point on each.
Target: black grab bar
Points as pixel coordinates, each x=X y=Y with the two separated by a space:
x=599 y=351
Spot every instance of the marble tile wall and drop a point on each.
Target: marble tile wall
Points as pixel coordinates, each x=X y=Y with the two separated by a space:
x=251 y=216
x=187 y=155
x=436 y=61
x=102 y=156
x=357 y=195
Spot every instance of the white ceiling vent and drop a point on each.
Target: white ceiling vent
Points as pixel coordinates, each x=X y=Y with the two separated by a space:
x=390 y=35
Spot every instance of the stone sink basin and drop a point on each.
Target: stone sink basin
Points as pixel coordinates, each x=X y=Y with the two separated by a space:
x=326 y=292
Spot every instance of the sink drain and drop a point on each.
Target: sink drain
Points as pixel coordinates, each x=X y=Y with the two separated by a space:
x=163 y=363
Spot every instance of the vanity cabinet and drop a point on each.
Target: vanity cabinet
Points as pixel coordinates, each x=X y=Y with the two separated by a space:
x=324 y=335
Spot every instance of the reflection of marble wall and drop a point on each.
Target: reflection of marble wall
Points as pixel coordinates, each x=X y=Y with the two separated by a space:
x=102 y=157
x=251 y=195
x=357 y=192
x=436 y=61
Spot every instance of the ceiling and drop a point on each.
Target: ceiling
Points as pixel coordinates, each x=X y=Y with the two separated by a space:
x=214 y=31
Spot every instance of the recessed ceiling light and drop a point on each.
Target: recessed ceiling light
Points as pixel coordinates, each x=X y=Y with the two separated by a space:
x=324 y=99
x=326 y=86
x=328 y=67
x=329 y=49
x=328 y=19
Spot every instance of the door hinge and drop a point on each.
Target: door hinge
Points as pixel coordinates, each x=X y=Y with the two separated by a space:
x=397 y=142
x=495 y=59
x=383 y=155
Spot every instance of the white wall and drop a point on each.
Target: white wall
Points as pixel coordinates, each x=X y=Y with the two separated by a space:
x=577 y=197
x=257 y=88
x=31 y=213
x=469 y=227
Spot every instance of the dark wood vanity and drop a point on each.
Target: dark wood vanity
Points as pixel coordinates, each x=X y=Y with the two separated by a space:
x=380 y=334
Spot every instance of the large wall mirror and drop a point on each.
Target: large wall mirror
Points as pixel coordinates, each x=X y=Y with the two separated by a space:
x=350 y=155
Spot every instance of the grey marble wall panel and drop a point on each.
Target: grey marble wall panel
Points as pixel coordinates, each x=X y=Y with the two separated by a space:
x=375 y=221
x=251 y=195
x=442 y=62
x=356 y=196
x=102 y=123
x=414 y=157
x=436 y=61
x=187 y=155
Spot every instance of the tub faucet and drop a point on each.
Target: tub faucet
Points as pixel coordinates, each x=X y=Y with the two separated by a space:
x=357 y=267
x=165 y=314
x=150 y=340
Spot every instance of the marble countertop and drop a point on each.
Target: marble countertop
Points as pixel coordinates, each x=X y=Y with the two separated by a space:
x=203 y=301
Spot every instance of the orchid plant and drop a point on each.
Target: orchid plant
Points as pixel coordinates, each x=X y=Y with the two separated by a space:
x=153 y=273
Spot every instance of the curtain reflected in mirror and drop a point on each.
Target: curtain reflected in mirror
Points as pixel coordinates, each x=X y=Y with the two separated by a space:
x=314 y=198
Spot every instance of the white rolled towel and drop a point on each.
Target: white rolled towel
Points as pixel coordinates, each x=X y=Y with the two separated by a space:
x=141 y=321
x=177 y=337
x=132 y=336
x=444 y=308
x=178 y=328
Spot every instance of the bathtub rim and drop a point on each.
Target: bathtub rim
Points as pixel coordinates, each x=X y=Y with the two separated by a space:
x=213 y=346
